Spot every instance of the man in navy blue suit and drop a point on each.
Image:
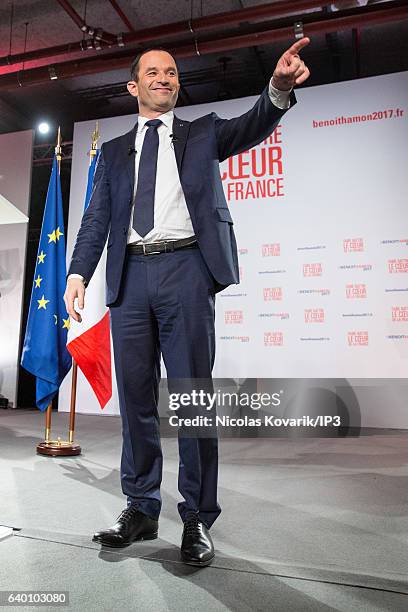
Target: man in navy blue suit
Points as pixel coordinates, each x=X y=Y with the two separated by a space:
x=158 y=198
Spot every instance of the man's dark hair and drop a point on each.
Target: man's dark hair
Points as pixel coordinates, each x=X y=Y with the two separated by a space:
x=134 y=68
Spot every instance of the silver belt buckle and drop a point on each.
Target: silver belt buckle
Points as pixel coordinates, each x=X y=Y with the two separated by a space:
x=151 y=252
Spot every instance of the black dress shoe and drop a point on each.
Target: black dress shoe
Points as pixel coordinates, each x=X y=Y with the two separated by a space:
x=197 y=547
x=131 y=526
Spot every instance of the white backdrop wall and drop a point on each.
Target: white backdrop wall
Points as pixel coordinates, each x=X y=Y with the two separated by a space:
x=321 y=223
x=15 y=184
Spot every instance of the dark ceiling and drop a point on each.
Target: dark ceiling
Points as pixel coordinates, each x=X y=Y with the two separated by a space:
x=238 y=49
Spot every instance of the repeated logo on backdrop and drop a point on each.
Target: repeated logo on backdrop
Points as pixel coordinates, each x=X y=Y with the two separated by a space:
x=234 y=317
x=273 y=338
x=356 y=291
x=351 y=290
x=353 y=245
x=312 y=269
x=399 y=313
x=357 y=338
x=314 y=315
x=273 y=294
x=398 y=266
x=271 y=250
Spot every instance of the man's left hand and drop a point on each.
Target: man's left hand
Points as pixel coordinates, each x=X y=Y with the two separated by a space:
x=290 y=69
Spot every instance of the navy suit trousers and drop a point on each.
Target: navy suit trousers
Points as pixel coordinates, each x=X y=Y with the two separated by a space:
x=165 y=306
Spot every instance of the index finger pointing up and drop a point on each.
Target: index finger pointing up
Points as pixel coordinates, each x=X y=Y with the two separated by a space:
x=298 y=46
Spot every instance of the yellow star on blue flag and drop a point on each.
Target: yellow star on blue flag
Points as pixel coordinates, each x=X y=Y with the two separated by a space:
x=42 y=303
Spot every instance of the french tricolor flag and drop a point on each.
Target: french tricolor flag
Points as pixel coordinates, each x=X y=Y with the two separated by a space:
x=89 y=342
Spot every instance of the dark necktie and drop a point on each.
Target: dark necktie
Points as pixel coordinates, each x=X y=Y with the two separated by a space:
x=143 y=214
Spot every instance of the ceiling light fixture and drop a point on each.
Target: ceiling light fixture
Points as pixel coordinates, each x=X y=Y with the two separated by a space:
x=44 y=127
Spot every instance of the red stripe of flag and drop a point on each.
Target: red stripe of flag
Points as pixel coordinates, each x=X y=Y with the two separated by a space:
x=91 y=351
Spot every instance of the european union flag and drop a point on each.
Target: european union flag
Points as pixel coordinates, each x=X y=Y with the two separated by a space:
x=45 y=353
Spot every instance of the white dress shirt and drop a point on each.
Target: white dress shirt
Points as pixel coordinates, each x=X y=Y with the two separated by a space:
x=171 y=217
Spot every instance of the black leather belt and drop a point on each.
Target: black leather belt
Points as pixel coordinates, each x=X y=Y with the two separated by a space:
x=165 y=246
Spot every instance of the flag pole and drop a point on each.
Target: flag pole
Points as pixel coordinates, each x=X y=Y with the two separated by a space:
x=53 y=448
x=49 y=409
x=92 y=153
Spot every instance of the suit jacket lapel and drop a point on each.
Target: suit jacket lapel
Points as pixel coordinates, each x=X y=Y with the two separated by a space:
x=180 y=135
x=129 y=143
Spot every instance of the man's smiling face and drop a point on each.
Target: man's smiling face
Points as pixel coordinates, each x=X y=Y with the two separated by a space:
x=156 y=85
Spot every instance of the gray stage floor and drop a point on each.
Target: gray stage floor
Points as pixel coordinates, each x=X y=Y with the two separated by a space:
x=307 y=524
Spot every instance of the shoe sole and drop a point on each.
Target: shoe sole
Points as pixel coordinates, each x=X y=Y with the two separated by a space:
x=197 y=563
x=145 y=536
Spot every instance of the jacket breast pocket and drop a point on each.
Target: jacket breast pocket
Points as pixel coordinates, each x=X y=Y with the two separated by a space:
x=224 y=214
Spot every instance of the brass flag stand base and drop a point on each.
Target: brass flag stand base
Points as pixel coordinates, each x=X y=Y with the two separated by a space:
x=61 y=448
x=58 y=448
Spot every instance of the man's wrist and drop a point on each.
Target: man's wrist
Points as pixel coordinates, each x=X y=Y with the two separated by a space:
x=76 y=276
x=279 y=87
x=279 y=97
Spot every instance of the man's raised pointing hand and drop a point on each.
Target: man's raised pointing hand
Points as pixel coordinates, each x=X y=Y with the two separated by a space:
x=290 y=69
